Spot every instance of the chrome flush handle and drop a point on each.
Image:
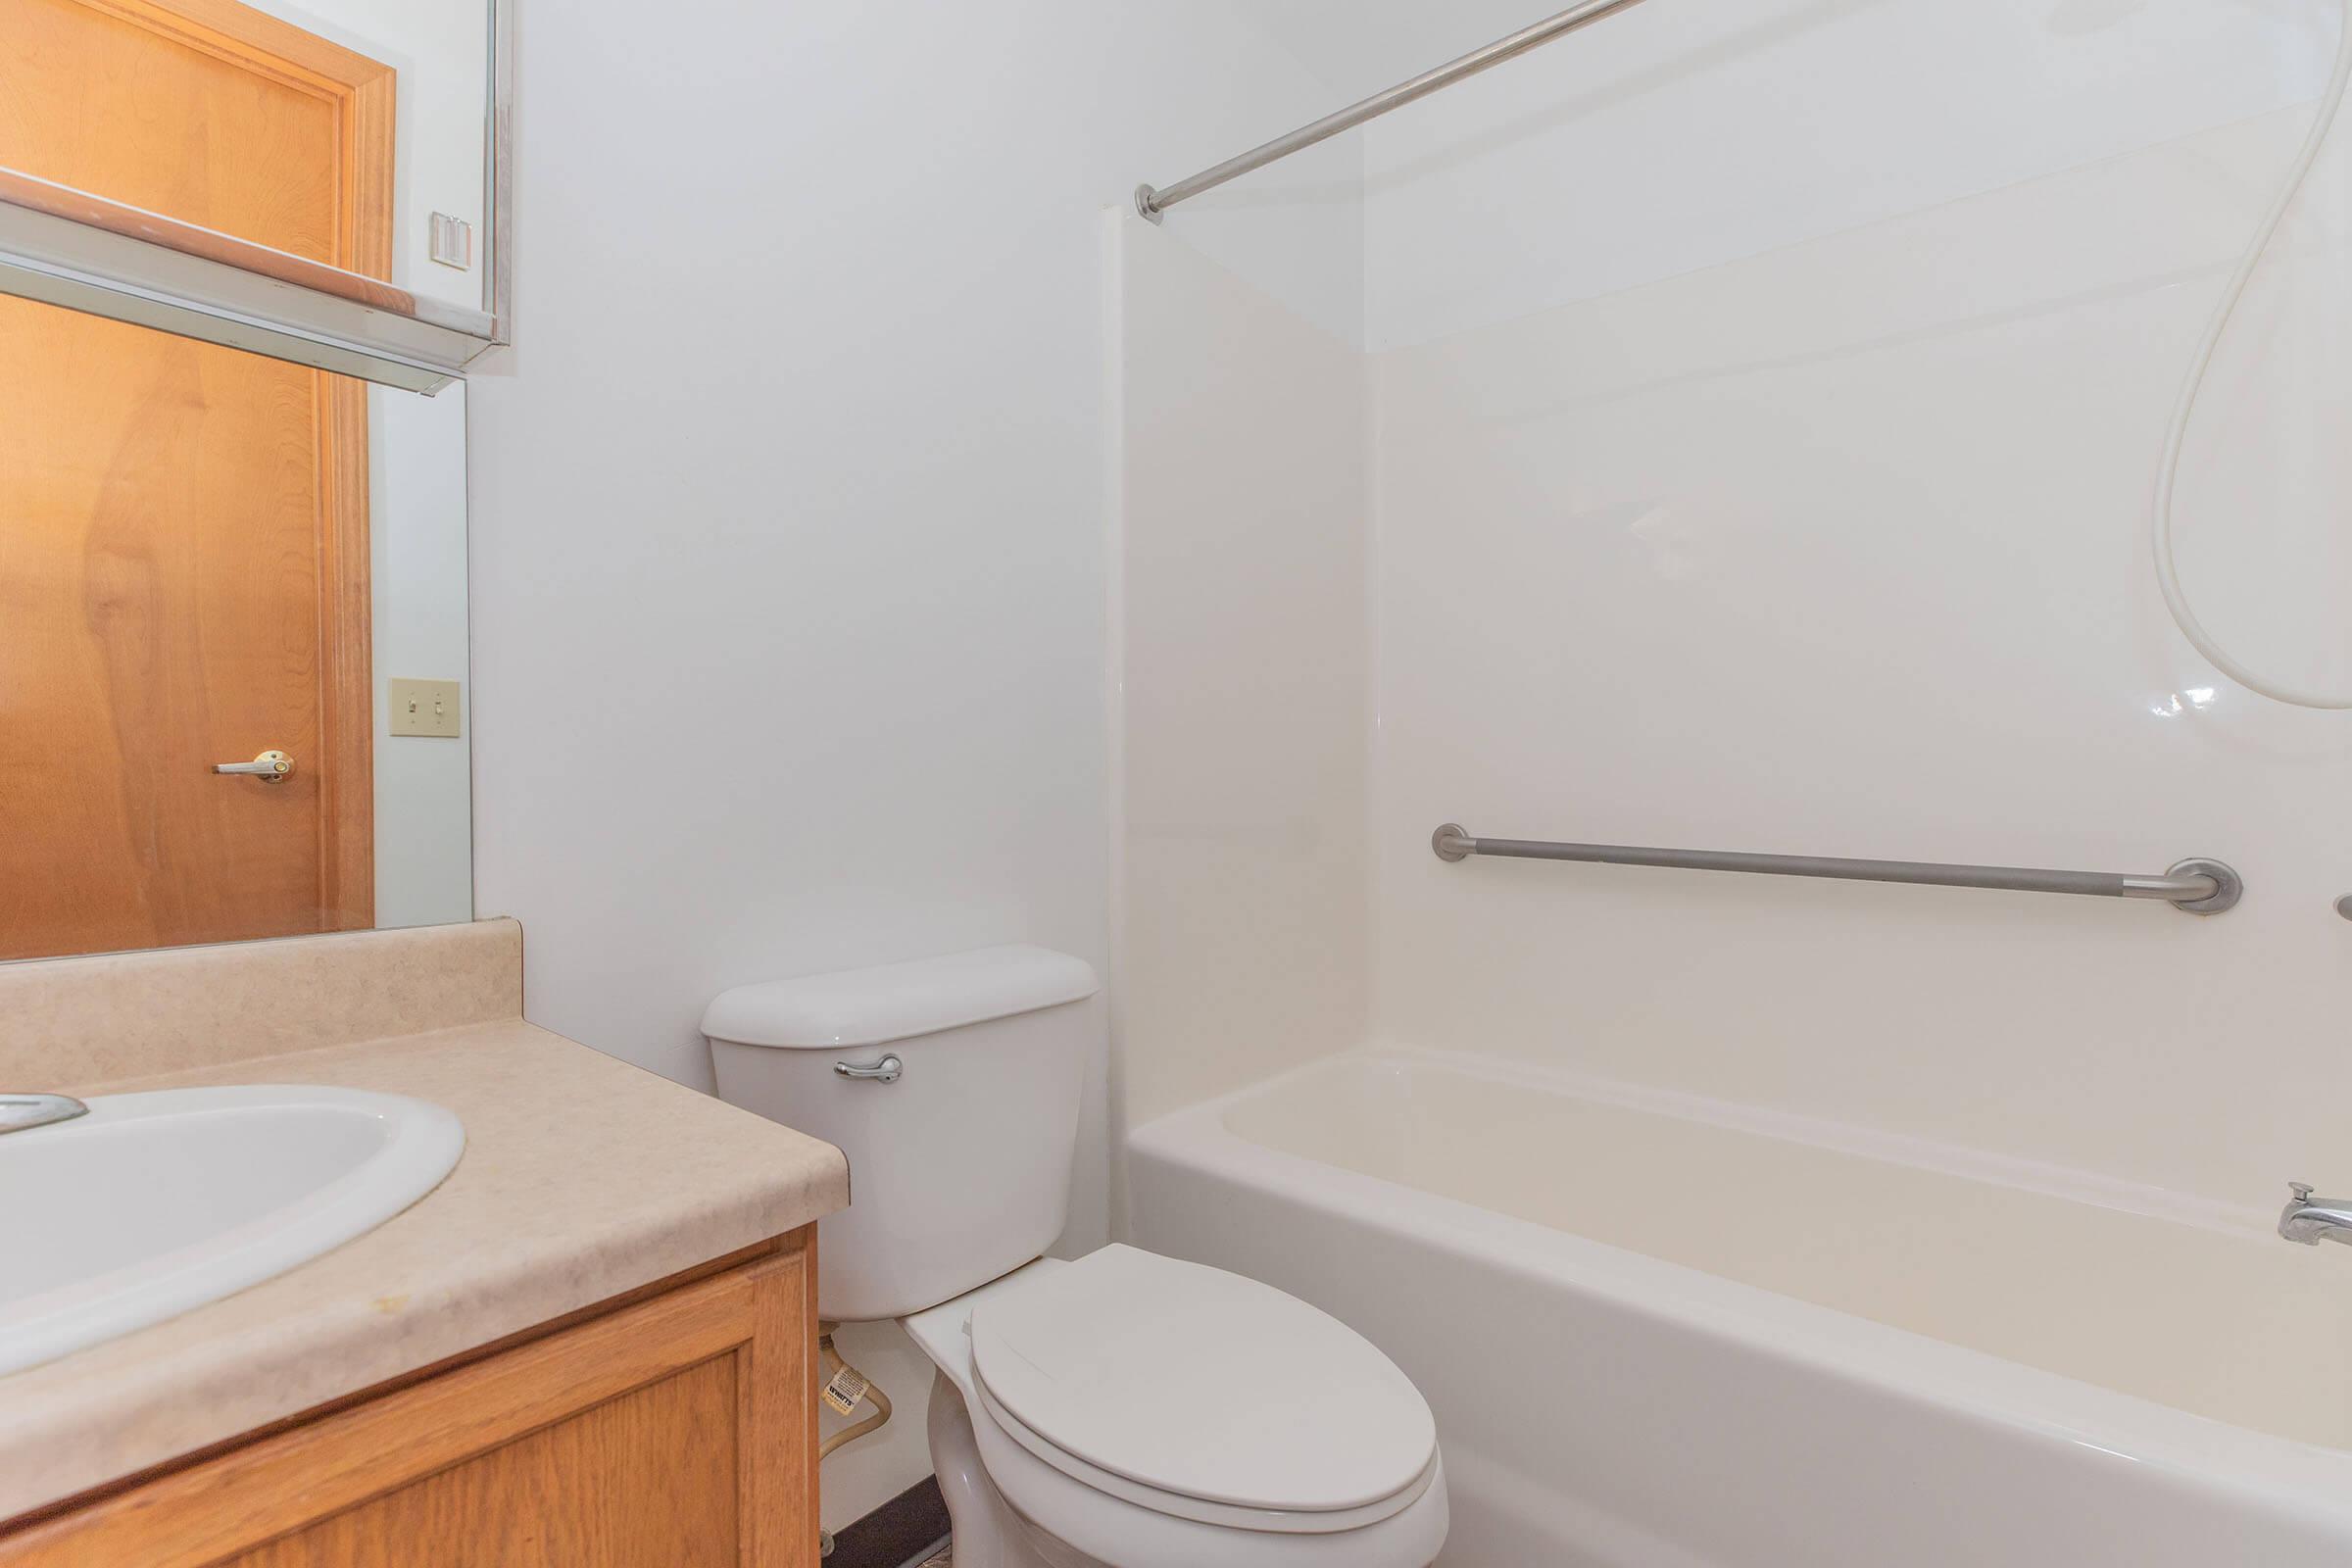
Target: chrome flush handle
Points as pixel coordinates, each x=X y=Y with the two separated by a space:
x=270 y=767
x=885 y=1071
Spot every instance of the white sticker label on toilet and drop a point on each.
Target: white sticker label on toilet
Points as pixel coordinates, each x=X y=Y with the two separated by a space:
x=846 y=1390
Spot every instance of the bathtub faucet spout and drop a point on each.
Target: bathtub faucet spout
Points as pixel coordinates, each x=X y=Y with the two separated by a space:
x=2313 y=1220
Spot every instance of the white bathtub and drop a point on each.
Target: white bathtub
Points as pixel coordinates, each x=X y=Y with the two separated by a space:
x=1661 y=1332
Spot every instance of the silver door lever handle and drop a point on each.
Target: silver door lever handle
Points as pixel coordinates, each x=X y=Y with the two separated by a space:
x=270 y=767
x=885 y=1071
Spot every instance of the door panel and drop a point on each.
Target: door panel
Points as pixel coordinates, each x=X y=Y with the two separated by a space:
x=182 y=527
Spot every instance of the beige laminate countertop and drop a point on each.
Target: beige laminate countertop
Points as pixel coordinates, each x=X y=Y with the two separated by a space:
x=583 y=1178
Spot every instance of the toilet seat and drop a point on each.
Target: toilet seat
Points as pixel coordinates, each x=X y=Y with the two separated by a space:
x=1176 y=1505
x=1201 y=1394
x=1062 y=1510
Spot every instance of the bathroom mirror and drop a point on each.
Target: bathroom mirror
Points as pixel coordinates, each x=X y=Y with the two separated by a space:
x=232 y=573
x=313 y=180
x=214 y=559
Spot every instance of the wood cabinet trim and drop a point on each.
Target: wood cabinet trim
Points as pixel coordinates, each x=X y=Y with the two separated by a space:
x=263 y=1490
x=406 y=1380
x=777 y=1415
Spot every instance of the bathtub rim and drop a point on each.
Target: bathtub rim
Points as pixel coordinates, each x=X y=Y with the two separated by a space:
x=2262 y=1469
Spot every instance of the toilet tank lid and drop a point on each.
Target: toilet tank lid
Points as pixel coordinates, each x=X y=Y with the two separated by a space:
x=898 y=1000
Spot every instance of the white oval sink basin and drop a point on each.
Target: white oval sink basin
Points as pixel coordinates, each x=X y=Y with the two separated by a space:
x=156 y=1203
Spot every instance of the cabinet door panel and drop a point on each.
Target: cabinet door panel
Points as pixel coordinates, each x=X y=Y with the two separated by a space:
x=647 y=1478
x=678 y=1431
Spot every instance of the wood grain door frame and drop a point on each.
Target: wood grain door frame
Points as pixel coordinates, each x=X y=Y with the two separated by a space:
x=363 y=93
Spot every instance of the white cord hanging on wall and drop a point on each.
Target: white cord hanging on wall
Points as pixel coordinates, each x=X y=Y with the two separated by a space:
x=2168 y=571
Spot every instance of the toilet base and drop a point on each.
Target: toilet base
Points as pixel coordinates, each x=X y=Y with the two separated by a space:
x=989 y=1534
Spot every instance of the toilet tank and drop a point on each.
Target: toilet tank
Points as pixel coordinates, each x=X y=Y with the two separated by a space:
x=959 y=1163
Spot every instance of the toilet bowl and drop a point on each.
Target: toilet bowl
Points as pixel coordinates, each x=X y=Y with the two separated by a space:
x=1135 y=1411
x=1122 y=1410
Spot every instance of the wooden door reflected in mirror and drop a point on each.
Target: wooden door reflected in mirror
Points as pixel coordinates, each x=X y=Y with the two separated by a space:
x=186 y=530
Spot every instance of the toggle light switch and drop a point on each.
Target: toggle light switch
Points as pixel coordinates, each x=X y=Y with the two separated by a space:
x=425 y=708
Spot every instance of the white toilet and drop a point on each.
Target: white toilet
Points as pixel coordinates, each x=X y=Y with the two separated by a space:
x=1125 y=1410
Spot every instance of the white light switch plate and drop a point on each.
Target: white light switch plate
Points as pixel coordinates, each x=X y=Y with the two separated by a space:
x=453 y=241
x=425 y=708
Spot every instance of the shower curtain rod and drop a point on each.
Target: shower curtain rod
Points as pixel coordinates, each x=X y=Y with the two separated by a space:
x=1153 y=203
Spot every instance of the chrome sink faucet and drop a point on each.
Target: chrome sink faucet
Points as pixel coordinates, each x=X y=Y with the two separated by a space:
x=17 y=1112
x=2313 y=1220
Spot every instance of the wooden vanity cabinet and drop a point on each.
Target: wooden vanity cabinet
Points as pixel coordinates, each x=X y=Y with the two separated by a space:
x=674 y=1430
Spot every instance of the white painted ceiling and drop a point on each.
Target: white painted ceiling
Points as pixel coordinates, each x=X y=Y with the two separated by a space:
x=1361 y=46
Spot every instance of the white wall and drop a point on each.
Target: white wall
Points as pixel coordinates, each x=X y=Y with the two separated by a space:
x=423 y=785
x=790 y=517
x=1771 y=471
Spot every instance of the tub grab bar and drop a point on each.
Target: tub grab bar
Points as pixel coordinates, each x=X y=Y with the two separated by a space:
x=2197 y=886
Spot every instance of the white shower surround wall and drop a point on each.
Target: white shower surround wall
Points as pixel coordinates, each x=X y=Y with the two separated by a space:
x=1842 y=549
x=1830 y=537
x=1835 y=545
x=1242 y=674
x=1820 y=530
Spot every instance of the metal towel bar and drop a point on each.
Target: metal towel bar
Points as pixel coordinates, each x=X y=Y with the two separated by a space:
x=2198 y=886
